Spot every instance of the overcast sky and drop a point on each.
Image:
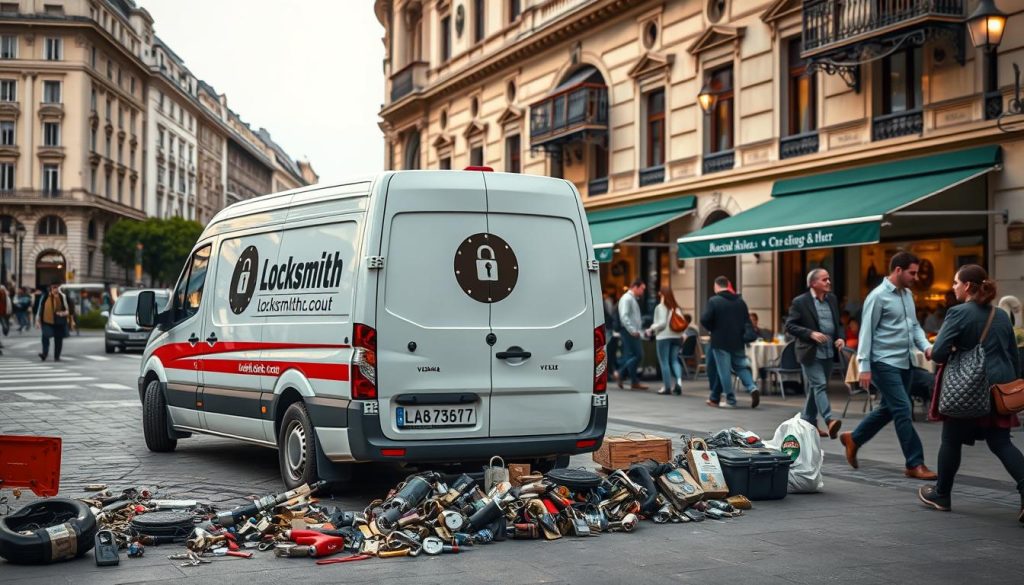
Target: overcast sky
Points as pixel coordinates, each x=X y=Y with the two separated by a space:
x=308 y=71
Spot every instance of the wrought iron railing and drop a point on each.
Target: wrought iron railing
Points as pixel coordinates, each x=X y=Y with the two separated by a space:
x=652 y=175
x=896 y=125
x=719 y=161
x=798 y=145
x=597 y=186
x=828 y=22
x=584 y=105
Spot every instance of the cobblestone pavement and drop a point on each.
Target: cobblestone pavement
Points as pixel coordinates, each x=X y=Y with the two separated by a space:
x=865 y=528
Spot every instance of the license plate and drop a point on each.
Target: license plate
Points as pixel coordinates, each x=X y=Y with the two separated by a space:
x=143 y=335
x=431 y=417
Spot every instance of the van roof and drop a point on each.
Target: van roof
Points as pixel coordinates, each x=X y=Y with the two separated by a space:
x=259 y=204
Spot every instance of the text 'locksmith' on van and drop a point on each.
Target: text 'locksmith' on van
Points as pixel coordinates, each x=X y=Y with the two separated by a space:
x=420 y=316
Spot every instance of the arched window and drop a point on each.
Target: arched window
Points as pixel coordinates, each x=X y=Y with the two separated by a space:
x=51 y=225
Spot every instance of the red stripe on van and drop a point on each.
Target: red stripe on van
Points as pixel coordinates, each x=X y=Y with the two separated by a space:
x=182 y=356
x=244 y=367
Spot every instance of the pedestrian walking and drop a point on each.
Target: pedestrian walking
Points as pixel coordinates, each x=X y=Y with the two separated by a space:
x=54 y=318
x=962 y=329
x=613 y=338
x=727 y=318
x=22 y=303
x=6 y=308
x=667 y=329
x=814 y=321
x=888 y=335
x=631 y=329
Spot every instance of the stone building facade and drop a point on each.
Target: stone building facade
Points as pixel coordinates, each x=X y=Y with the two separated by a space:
x=829 y=101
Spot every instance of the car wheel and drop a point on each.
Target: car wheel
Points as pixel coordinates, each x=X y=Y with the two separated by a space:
x=110 y=348
x=296 y=447
x=154 y=420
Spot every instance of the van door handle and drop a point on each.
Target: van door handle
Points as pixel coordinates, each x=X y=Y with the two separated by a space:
x=506 y=355
x=193 y=340
x=212 y=339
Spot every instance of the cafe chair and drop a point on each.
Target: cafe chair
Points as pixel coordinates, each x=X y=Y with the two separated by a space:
x=692 y=358
x=786 y=367
x=854 y=390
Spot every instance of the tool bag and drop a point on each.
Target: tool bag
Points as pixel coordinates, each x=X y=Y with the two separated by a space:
x=680 y=488
x=965 y=389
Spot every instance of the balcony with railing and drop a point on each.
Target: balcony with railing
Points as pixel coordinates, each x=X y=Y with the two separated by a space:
x=829 y=25
x=570 y=114
x=798 y=145
x=895 y=125
x=719 y=161
x=408 y=79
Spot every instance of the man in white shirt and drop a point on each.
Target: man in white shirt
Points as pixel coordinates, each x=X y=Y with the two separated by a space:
x=632 y=327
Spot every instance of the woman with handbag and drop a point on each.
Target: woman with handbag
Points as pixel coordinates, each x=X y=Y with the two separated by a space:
x=55 y=319
x=667 y=328
x=974 y=323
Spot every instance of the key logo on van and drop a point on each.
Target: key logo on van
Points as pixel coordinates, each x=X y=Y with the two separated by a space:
x=243 y=280
x=486 y=268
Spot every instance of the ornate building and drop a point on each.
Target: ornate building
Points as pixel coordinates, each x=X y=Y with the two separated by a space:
x=754 y=139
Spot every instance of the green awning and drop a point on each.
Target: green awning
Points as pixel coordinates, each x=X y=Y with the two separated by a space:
x=611 y=226
x=841 y=208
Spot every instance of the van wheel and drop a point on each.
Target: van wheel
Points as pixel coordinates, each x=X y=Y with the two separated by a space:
x=546 y=465
x=296 y=447
x=154 y=420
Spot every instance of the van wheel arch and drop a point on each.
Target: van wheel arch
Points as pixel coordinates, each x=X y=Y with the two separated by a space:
x=287 y=397
x=150 y=377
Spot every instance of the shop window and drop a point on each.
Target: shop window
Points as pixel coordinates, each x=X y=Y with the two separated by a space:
x=513 y=163
x=801 y=90
x=720 y=122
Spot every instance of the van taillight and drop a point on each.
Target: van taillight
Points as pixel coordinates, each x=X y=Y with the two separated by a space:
x=600 y=361
x=364 y=360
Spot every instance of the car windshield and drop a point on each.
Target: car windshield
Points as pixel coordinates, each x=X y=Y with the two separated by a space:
x=126 y=304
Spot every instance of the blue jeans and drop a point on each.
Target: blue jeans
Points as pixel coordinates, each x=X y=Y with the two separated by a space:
x=816 y=373
x=721 y=364
x=668 y=359
x=894 y=387
x=632 y=353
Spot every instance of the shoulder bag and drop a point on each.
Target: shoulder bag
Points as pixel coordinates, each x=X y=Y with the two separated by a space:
x=965 y=389
x=1009 y=397
x=676 y=322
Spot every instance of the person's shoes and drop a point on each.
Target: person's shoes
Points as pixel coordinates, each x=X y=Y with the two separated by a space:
x=920 y=472
x=678 y=390
x=833 y=428
x=729 y=405
x=56 y=359
x=42 y=356
x=618 y=380
x=638 y=386
x=930 y=498
x=821 y=433
x=712 y=404
x=664 y=391
x=755 y=398
x=851 y=449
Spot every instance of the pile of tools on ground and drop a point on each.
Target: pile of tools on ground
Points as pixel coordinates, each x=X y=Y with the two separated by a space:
x=428 y=513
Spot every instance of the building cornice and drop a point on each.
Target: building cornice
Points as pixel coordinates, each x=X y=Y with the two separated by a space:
x=576 y=23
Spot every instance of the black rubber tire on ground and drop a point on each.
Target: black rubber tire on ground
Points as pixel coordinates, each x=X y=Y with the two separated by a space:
x=154 y=420
x=35 y=547
x=296 y=447
x=110 y=348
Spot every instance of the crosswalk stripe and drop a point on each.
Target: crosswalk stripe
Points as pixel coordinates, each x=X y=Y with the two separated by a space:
x=47 y=379
x=112 y=386
x=46 y=387
x=37 y=396
x=134 y=356
x=24 y=369
x=88 y=403
x=96 y=358
x=70 y=359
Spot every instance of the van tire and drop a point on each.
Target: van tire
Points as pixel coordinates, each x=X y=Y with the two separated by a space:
x=154 y=420
x=297 y=447
x=546 y=465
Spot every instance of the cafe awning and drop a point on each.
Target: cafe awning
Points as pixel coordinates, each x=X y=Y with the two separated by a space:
x=841 y=208
x=611 y=226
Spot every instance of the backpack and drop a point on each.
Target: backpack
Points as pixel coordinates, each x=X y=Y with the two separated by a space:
x=676 y=322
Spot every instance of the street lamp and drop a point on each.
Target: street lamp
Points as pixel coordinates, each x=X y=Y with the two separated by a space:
x=986 y=25
x=706 y=98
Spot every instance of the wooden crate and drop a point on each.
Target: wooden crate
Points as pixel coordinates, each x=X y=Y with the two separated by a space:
x=618 y=452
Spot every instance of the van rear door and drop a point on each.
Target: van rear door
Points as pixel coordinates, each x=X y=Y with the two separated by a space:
x=433 y=361
x=548 y=314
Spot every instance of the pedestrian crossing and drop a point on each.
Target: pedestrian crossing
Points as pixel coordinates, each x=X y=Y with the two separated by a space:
x=31 y=380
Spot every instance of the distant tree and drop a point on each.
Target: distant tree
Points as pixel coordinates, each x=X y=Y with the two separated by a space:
x=119 y=243
x=166 y=244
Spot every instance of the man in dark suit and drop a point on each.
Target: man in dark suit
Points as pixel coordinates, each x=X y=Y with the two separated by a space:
x=814 y=321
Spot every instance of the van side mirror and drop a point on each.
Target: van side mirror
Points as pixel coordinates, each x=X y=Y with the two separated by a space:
x=145 y=310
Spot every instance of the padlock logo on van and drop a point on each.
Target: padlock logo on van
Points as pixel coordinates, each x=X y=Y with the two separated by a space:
x=243 y=280
x=486 y=268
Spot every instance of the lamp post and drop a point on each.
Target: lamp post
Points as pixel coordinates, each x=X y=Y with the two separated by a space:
x=987 y=24
x=19 y=232
x=707 y=98
x=4 y=231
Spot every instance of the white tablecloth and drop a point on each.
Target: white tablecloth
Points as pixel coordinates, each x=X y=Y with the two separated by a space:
x=853 y=370
x=763 y=355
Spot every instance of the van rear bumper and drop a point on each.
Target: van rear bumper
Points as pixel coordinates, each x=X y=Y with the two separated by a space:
x=366 y=442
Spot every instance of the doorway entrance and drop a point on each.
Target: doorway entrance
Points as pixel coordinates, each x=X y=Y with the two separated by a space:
x=50 y=266
x=711 y=268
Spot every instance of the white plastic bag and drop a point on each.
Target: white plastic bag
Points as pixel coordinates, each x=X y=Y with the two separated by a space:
x=799 y=439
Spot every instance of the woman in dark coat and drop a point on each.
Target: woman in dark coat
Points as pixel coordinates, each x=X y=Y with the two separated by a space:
x=961 y=331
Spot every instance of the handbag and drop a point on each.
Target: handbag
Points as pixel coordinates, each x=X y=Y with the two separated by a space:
x=965 y=389
x=676 y=322
x=1009 y=397
x=706 y=469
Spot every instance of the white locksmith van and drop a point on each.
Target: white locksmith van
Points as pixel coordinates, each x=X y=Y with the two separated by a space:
x=419 y=316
